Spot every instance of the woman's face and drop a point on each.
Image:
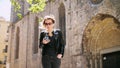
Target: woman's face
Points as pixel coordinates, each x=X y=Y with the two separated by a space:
x=49 y=24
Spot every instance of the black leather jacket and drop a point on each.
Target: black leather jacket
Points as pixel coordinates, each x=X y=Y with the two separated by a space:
x=59 y=42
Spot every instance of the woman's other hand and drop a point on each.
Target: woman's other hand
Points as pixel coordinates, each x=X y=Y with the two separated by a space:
x=59 y=56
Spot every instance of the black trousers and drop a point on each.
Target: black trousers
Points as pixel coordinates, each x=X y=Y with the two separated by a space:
x=50 y=62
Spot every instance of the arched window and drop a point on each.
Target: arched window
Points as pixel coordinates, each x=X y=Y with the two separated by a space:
x=36 y=32
x=62 y=20
x=17 y=43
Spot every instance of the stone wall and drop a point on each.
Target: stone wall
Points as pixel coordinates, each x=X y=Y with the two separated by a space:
x=78 y=14
x=26 y=57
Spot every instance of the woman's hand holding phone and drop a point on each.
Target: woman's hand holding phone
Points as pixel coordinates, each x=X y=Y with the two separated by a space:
x=45 y=41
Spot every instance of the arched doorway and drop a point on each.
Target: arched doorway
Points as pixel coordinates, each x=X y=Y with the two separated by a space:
x=101 y=33
x=62 y=20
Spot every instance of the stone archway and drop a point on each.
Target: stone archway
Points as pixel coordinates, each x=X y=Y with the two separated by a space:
x=102 y=32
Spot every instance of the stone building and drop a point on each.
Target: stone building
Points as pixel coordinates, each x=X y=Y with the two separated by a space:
x=3 y=42
x=91 y=29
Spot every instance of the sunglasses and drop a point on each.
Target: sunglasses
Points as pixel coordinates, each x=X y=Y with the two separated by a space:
x=48 y=23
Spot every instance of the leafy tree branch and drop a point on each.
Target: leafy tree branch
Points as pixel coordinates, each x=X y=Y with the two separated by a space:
x=36 y=6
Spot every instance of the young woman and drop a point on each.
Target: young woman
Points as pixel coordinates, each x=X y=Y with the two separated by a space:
x=52 y=44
